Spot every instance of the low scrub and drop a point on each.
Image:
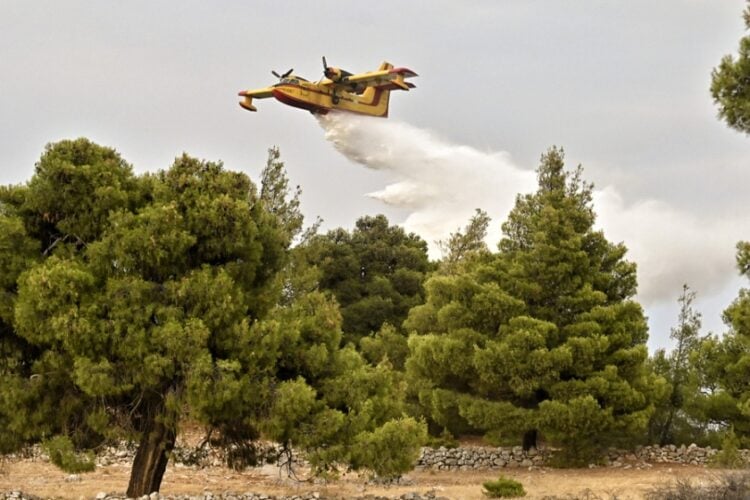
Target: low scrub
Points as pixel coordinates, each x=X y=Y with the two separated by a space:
x=734 y=486
x=503 y=487
x=63 y=454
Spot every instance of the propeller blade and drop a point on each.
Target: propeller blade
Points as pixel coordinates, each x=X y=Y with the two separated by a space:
x=287 y=73
x=325 y=65
x=275 y=74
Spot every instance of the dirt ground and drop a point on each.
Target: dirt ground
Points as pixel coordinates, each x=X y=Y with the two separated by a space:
x=45 y=480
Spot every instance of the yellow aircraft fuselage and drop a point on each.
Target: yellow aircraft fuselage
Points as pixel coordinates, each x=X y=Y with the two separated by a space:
x=366 y=93
x=320 y=100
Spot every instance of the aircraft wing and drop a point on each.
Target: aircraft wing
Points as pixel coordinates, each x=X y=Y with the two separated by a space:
x=392 y=78
x=248 y=95
x=383 y=75
x=257 y=93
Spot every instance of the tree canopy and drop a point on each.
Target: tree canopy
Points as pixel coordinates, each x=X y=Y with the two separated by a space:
x=131 y=303
x=730 y=85
x=375 y=272
x=544 y=336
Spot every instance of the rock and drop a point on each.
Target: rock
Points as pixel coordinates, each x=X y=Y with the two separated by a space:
x=101 y=495
x=72 y=478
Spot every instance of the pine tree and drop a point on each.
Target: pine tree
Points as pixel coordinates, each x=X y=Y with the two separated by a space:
x=543 y=337
x=462 y=246
x=131 y=303
x=375 y=272
x=670 y=417
x=730 y=85
x=724 y=363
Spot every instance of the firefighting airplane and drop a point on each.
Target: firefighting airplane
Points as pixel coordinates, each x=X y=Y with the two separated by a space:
x=364 y=93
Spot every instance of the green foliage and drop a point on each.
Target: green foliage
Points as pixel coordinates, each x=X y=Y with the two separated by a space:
x=375 y=272
x=722 y=363
x=729 y=455
x=385 y=345
x=76 y=185
x=278 y=198
x=128 y=303
x=674 y=419
x=743 y=258
x=147 y=309
x=729 y=85
x=503 y=487
x=444 y=439
x=463 y=246
x=392 y=449
x=541 y=337
x=62 y=453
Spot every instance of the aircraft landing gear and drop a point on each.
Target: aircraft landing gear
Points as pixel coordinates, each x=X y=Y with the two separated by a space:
x=335 y=99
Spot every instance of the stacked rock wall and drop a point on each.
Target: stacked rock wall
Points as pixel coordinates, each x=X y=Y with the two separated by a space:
x=467 y=458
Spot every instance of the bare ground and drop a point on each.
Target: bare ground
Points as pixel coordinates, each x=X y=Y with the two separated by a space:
x=45 y=480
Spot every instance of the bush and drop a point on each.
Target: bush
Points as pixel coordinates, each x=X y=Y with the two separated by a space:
x=445 y=439
x=63 y=454
x=392 y=449
x=503 y=488
x=729 y=456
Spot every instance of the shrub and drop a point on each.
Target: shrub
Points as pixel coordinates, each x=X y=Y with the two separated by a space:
x=63 y=454
x=445 y=439
x=391 y=449
x=503 y=487
x=729 y=455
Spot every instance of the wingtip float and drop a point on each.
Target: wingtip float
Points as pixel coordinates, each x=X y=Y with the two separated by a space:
x=363 y=93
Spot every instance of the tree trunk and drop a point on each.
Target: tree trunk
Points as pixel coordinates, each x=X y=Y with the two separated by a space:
x=150 y=461
x=529 y=439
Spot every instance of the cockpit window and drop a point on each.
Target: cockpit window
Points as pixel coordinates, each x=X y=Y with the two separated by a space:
x=294 y=81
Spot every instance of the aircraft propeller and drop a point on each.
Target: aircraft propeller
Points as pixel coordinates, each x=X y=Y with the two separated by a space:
x=326 y=70
x=274 y=73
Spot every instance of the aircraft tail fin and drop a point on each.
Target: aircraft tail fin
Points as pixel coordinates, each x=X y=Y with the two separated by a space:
x=378 y=97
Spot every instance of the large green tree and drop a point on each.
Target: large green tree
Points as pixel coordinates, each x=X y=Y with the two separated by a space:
x=147 y=300
x=544 y=336
x=375 y=272
x=724 y=363
x=62 y=209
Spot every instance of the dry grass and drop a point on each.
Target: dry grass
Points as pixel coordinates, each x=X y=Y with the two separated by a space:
x=724 y=486
x=45 y=480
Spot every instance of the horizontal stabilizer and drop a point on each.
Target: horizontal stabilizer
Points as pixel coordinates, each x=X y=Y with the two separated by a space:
x=393 y=85
x=406 y=72
x=401 y=84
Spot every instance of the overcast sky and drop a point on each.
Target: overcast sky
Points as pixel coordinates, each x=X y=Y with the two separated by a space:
x=621 y=85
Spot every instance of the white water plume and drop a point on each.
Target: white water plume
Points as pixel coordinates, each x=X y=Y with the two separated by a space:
x=440 y=184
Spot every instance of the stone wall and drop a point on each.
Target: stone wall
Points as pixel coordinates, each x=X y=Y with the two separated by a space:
x=460 y=458
x=474 y=457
